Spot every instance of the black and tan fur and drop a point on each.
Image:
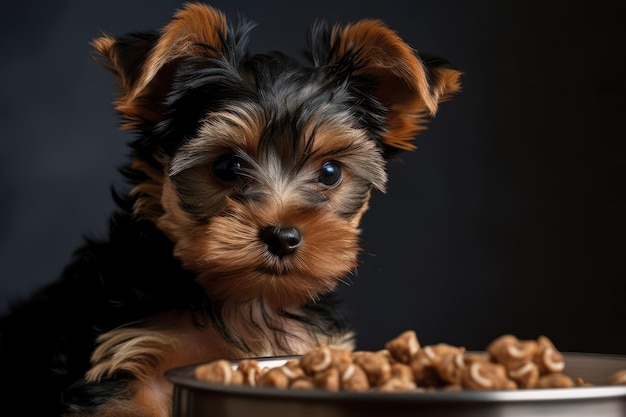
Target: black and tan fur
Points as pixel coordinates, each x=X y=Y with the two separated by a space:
x=248 y=178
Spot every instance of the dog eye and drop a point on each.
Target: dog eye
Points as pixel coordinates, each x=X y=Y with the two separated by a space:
x=227 y=168
x=330 y=174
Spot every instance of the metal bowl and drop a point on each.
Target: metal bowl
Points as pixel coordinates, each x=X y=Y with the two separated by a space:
x=195 y=398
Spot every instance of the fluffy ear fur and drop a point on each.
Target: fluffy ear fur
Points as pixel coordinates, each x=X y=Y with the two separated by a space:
x=145 y=63
x=384 y=65
x=410 y=87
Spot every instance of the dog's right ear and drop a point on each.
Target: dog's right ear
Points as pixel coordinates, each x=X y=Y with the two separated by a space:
x=145 y=63
x=377 y=61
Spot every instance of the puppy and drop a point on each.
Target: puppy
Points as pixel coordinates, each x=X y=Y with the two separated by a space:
x=248 y=178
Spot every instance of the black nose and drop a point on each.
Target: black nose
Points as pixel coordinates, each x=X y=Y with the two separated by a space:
x=281 y=241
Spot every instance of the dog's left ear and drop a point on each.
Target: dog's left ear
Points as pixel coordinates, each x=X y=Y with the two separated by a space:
x=410 y=87
x=145 y=63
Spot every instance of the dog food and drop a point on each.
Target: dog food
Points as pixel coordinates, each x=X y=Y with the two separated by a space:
x=403 y=365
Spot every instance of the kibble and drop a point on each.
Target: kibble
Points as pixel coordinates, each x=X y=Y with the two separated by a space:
x=404 y=365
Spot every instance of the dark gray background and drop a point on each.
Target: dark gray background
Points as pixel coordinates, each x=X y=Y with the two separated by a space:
x=509 y=219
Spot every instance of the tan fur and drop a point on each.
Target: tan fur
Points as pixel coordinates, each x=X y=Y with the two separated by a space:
x=220 y=240
x=405 y=86
x=194 y=26
x=226 y=253
x=174 y=222
x=149 y=193
x=231 y=262
x=403 y=82
x=191 y=29
x=149 y=349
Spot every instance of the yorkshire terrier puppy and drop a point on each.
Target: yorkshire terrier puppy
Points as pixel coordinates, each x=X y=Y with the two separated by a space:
x=247 y=180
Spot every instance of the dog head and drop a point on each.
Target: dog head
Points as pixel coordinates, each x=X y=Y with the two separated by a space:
x=259 y=168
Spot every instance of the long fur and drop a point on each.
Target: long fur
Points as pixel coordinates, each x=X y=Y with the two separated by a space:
x=233 y=153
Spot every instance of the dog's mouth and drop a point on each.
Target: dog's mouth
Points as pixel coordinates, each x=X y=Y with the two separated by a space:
x=276 y=269
x=285 y=261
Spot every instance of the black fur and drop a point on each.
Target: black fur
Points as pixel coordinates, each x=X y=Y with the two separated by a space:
x=46 y=340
